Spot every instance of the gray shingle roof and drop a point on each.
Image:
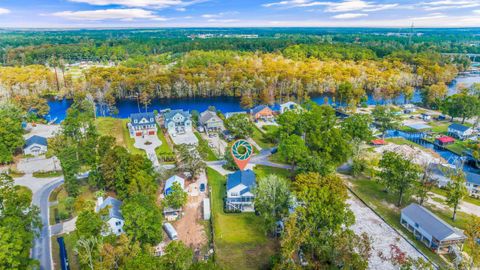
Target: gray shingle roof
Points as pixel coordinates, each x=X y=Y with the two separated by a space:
x=115 y=205
x=429 y=222
x=458 y=127
x=258 y=108
x=247 y=178
x=207 y=115
x=35 y=139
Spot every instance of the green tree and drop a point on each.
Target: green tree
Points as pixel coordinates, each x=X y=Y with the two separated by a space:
x=357 y=127
x=272 y=197
x=456 y=190
x=240 y=126
x=472 y=231
x=292 y=149
x=398 y=174
x=177 y=197
x=385 y=118
x=87 y=251
x=188 y=160
x=461 y=105
x=19 y=224
x=11 y=132
x=143 y=219
x=88 y=224
x=425 y=185
x=177 y=256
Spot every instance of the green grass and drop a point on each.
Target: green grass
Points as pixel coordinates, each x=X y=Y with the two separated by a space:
x=70 y=242
x=259 y=138
x=384 y=204
x=116 y=127
x=24 y=192
x=270 y=128
x=277 y=158
x=403 y=141
x=60 y=194
x=468 y=199
x=47 y=174
x=458 y=147
x=239 y=238
x=262 y=171
x=205 y=151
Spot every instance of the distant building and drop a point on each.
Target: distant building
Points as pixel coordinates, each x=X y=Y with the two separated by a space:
x=460 y=131
x=142 y=124
x=289 y=106
x=177 y=122
x=239 y=191
x=114 y=217
x=441 y=175
x=35 y=145
x=444 y=140
x=426 y=117
x=261 y=112
x=430 y=229
x=210 y=121
x=170 y=181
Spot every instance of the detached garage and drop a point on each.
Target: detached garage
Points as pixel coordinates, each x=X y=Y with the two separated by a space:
x=35 y=145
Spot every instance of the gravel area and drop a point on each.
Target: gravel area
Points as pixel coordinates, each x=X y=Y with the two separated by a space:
x=381 y=234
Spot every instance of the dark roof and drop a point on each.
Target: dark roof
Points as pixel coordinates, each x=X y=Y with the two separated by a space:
x=115 y=205
x=35 y=139
x=445 y=171
x=276 y=107
x=429 y=222
x=459 y=127
x=473 y=178
x=258 y=108
x=150 y=117
x=247 y=178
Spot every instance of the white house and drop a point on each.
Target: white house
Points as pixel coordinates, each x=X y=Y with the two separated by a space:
x=441 y=172
x=114 y=216
x=460 y=131
x=430 y=229
x=289 y=106
x=177 y=122
x=170 y=181
x=142 y=124
x=239 y=191
x=35 y=145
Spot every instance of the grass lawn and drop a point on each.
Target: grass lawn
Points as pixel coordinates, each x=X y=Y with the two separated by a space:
x=277 y=158
x=24 y=192
x=262 y=171
x=403 y=141
x=205 y=151
x=47 y=174
x=259 y=138
x=59 y=212
x=239 y=239
x=457 y=147
x=116 y=127
x=384 y=204
x=468 y=199
x=70 y=241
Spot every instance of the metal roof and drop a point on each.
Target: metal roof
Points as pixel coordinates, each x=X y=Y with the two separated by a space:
x=430 y=223
x=419 y=126
x=246 y=178
x=207 y=115
x=150 y=117
x=115 y=205
x=170 y=114
x=171 y=180
x=458 y=127
x=35 y=139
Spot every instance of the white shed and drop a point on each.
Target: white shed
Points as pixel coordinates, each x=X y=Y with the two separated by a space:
x=206 y=209
x=170 y=230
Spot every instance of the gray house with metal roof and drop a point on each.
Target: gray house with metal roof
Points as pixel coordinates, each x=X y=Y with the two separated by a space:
x=430 y=229
x=113 y=216
x=239 y=191
x=460 y=131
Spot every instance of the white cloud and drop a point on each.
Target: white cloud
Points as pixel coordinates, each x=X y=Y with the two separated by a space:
x=477 y=11
x=141 y=3
x=218 y=15
x=4 y=11
x=344 y=6
x=109 y=14
x=449 y=4
x=349 y=15
x=222 y=20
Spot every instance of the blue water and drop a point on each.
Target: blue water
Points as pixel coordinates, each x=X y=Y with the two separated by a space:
x=450 y=157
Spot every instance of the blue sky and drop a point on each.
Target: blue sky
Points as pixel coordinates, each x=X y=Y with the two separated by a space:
x=239 y=13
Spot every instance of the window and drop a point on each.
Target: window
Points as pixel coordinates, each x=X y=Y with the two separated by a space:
x=118 y=223
x=234 y=194
x=416 y=225
x=135 y=121
x=119 y=230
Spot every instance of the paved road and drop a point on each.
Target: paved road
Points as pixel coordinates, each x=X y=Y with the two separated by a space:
x=41 y=189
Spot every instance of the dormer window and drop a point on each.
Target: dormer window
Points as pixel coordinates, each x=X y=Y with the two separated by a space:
x=135 y=121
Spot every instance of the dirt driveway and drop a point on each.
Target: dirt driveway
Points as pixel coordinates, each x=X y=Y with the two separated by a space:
x=190 y=228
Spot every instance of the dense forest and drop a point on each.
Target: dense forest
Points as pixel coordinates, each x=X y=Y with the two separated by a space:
x=277 y=64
